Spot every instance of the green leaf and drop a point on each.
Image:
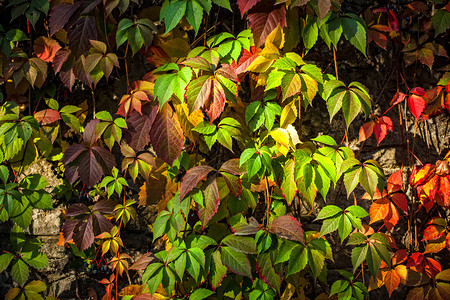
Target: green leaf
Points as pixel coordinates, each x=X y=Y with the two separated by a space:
x=334 y=102
x=310 y=32
x=243 y=244
x=373 y=260
x=357 y=238
x=285 y=250
x=345 y=227
x=35 y=259
x=328 y=211
x=288 y=186
x=217 y=271
x=316 y=261
x=236 y=261
x=351 y=179
x=351 y=106
x=194 y=14
x=330 y=225
x=173 y=14
x=5 y=260
x=357 y=211
x=339 y=286
x=441 y=21
x=268 y=272
x=355 y=32
x=325 y=139
x=164 y=87
x=200 y=293
x=223 y=3
x=298 y=264
x=4 y=173
x=19 y=272
x=369 y=180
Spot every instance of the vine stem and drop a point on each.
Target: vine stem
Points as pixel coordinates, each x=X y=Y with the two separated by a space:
x=335 y=63
x=267 y=199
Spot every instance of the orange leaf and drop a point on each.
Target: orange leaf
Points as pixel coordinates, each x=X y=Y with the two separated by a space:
x=379 y=210
x=395 y=182
x=366 y=131
x=435 y=246
x=47 y=116
x=391 y=281
x=380 y=128
x=46 y=48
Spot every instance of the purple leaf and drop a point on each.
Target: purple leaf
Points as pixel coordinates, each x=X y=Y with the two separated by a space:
x=85 y=235
x=68 y=229
x=287 y=227
x=68 y=78
x=104 y=158
x=73 y=152
x=139 y=126
x=233 y=183
x=232 y=166
x=77 y=209
x=60 y=58
x=90 y=170
x=142 y=262
x=212 y=201
x=101 y=224
x=192 y=177
x=80 y=72
x=80 y=33
x=71 y=173
x=262 y=24
x=105 y=206
x=166 y=135
x=60 y=15
x=89 y=136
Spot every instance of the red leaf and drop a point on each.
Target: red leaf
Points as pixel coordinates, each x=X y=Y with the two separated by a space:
x=401 y=201
x=166 y=135
x=380 y=128
x=212 y=201
x=246 y=59
x=262 y=24
x=193 y=177
x=245 y=5
x=287 y=227
x=132 y=102
x=444 y=190
x=227 y=71
x=366 y=131
x=46 y=48
x=80 y=34
x=433 y=232
x=392 y=217
x=218 y=103
x=393 y=21
x=47 y=116
x=415 y=259
x=60 y=15
x=378 y=38
x=416 y=102
x=139 y=126
x=398 y=97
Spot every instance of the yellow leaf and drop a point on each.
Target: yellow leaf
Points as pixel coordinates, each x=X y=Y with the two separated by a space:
x=293 y=135
x=288 y=115
x=276 y=37
x=188 y=121
x=265 y=59
x=311 y=87
x=282 y=139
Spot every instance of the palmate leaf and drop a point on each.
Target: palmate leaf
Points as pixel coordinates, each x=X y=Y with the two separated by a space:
x=166 y=135
x=80 y=34
x=193 y=177
x=237 y=262
x=60 y=15
x=243 y=244
x=287 y=227
x=212 y=201
x=139 y=126
x=267 y=272
x=262 y=24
